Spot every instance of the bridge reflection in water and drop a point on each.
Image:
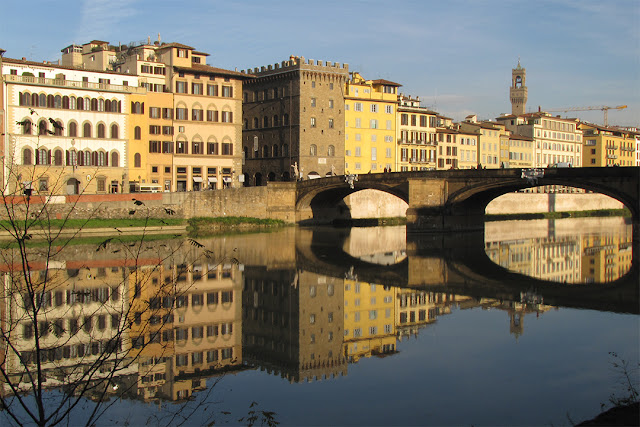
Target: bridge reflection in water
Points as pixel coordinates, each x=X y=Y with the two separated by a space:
x=300 y=303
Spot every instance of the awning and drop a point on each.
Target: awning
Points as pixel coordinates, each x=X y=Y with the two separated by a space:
x=197 y=179
x=226 y=179
x=213 y=179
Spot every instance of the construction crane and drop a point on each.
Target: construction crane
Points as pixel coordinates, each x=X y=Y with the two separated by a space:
x=603 y=108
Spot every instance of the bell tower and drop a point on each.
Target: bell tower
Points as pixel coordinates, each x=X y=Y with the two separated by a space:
x=518 y=90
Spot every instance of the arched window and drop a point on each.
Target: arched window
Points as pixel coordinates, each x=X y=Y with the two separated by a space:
x=313 y=150
x=285 y=121
x=57 y=157
x=245 y=124
x=86 y=130
x=42 y=127
x=102 y=159
x=137 y=160
x=65 y=102
x=137 y=133
x=331 y=151
x=42 y=100
x=26 y=126
x=107 y=105
x=114 y=131
x=58 y=128
x=27 y=156
x=80 y=103
x=275 y=150
x=42 y=157
x=265 y=122
x=50 y=101
x=87 y=158
x=73 y=129
x=255 y=123
x=94 y=104
x=275 y=120
x=100 y=130
x=285 y=150
x=57 y=102
x=101 y=104
x=265 y=151
x=73 y=104
x=115 y=159
x=87 y=103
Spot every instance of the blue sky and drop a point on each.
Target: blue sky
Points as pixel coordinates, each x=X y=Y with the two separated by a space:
x=457 y=55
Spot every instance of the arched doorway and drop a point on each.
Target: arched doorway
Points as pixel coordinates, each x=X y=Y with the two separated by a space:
x=73 y=186
x=258 y=179
x=271 y=177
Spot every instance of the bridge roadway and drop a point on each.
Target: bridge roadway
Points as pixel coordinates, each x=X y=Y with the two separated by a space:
x=455 y=200
x=458 y=264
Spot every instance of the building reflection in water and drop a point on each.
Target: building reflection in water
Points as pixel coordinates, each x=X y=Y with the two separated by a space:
x=568 y=256
x=172 y=324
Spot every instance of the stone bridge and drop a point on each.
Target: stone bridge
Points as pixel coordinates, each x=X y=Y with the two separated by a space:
x=456 y=199
x=457 y=263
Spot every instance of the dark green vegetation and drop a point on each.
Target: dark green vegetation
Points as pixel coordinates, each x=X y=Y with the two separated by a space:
x=217 y=225
x=625 y=213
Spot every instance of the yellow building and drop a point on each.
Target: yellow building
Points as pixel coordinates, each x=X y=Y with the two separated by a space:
x=417 y=141
x=370 y=125
x=606 y=146
x=368 y=319
x=457 y=149
x=489 y=137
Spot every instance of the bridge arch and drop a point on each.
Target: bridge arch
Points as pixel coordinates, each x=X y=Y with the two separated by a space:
x=456 y=199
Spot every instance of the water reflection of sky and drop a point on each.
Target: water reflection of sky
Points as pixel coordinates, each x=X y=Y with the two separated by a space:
x=453 y=359
x=464 y=369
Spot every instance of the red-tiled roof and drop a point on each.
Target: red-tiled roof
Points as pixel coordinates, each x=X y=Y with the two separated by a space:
x=385 y=82
x=170 y=45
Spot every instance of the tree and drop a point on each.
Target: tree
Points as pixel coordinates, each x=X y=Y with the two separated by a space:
x=77 y=330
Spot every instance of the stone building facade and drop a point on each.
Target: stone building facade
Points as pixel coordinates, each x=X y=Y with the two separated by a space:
x=293 y=121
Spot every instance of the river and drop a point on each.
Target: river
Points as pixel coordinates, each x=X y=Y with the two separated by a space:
x=323 y=326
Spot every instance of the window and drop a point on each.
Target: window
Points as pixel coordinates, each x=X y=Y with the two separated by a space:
x=358 y=123
x=313 y=150
x=313 y=122
x=181 y=113
x=357 y=106
x=86 y=130
x=212 y=90
x=181 y=87
x=196 y=115
x=388 y=109
x=227 y=91
x=114 y=131
x=373 y=124
x=137 y=160
x=196 y=147
x=137 y=133
x=196 y=88
x=212 y=116
x=154 y=112
x=181 y=147
x=331 y=151
x=330 y=123
x=227 y=117
x=374 y=108
x=27 y=156
x=331 y=103
x=313 y=102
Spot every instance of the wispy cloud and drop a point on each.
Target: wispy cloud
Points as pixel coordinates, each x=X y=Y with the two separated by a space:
x=101 y=18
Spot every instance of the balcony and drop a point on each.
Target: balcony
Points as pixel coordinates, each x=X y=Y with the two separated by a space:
x=72 y=84
x=611 y=156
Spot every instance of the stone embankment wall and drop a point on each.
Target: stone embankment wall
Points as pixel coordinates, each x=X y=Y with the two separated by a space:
x=376 y=204
x=517 y=203
x=273 y=202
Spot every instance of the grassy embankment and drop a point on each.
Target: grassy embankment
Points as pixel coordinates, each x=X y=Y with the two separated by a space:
x=204 y=226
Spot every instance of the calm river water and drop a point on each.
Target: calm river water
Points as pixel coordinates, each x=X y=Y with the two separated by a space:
x=356 y=326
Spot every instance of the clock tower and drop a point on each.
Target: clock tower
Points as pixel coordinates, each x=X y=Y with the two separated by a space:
x=518 y=90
